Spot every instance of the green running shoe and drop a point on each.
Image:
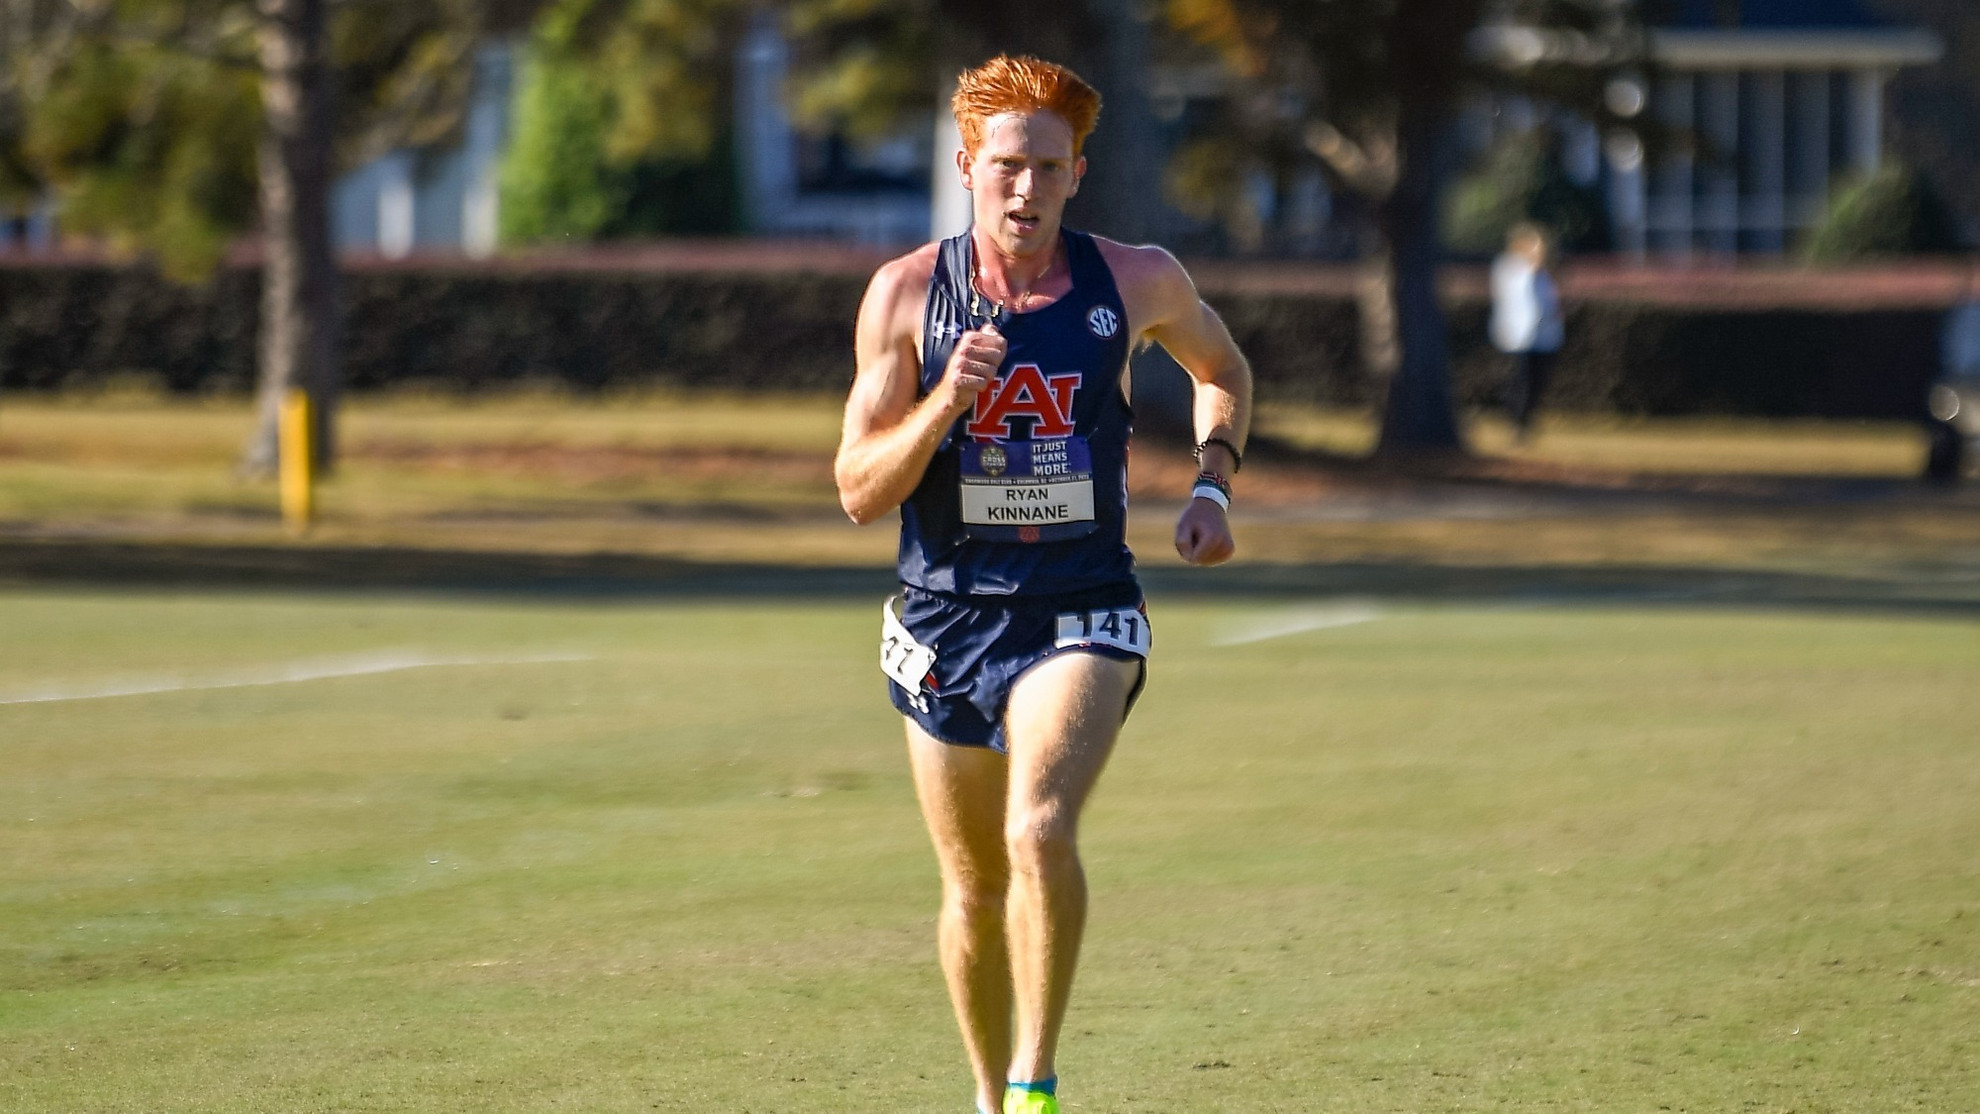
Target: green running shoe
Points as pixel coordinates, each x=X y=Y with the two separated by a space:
x=1019 y=1099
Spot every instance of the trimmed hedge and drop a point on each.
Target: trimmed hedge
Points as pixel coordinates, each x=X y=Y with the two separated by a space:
x=593 y=331
x=475 y=328
x=77 y=324
x=1633 y=358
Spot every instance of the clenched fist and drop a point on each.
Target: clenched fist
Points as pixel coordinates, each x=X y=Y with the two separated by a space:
x=1203 y=534
x=972 y=366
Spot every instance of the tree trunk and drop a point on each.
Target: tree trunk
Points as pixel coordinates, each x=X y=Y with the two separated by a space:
x=301 y=330
x=1419 y=417
x=1375 y=306
x=1121 y=195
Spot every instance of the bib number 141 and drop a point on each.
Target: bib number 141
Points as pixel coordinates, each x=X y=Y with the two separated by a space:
x=1124 y=628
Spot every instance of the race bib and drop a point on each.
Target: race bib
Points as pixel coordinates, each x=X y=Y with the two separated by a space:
x=1027 y=491
x=908 y=662
x=1123 y=628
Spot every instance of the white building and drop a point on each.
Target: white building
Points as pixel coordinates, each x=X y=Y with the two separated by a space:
x=875 y=193
x=1779 y=115
x=436 y=200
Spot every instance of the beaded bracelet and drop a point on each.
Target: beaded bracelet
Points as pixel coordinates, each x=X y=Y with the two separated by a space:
x=1237 y=458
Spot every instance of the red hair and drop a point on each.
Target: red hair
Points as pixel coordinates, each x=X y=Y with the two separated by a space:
x=1023 y=84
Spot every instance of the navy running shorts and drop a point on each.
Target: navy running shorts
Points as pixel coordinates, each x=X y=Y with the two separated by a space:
x=972 y=650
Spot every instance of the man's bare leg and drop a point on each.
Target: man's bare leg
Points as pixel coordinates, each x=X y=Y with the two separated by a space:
x=1061 y=723
x=962 y=791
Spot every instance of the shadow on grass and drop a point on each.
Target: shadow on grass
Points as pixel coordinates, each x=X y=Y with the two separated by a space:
x=1573 y=484
x=28 y=564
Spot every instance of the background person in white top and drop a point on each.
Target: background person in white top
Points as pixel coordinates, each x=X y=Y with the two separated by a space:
x=1526 y=318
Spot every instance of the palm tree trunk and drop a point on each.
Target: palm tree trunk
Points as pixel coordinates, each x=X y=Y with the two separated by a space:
x=301 y=330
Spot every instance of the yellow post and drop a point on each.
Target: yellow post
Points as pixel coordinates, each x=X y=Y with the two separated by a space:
x=298 y=465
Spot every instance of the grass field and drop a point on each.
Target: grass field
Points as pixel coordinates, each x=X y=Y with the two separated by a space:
x=362 y=852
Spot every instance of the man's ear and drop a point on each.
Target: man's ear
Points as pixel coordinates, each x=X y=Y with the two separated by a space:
x=1079 y=171
x=963 y=169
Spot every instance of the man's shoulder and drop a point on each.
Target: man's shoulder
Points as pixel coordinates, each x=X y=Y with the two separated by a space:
x=899 y=289
x=1137 y=260
x=1144 y=269
x=908 y=273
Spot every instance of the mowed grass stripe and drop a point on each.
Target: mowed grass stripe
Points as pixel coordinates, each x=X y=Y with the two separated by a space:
x=288 y=673
x=1463 y=858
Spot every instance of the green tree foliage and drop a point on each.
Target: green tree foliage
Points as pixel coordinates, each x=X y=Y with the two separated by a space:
x=863 y=64
x=146 y=134
x=556 y=182
x=142 y=117
x=656 y=72
x=682 y=196
x=1521 y=179
x=589 y=158
x=1935 y=110
x=859 y=66
x=1890 y=214
x=175 y=185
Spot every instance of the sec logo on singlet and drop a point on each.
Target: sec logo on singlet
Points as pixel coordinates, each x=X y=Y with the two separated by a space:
x=1103 y=321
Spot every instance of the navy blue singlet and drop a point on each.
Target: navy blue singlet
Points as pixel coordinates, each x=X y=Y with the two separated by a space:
x=1028 y=494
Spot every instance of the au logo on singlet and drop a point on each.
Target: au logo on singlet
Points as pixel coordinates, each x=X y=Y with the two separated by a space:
x=1027 y=392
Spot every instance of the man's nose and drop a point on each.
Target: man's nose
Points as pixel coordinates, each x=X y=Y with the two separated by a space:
x=1026 y=179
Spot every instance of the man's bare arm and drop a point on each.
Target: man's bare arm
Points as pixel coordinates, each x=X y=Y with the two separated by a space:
x=889 y=435
x=1164 y=306
x=1193 y=333
x=1203 y=346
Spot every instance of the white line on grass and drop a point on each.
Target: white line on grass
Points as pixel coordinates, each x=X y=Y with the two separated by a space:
x=1296 y=620
x=320 y=669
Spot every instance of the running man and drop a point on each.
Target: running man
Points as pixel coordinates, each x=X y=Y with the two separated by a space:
x=990 y=406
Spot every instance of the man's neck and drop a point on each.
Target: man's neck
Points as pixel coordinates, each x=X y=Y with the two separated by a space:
x=1009 y=273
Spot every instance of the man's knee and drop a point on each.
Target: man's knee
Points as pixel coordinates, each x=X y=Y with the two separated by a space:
x=978 y=894
x=1041 y=836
